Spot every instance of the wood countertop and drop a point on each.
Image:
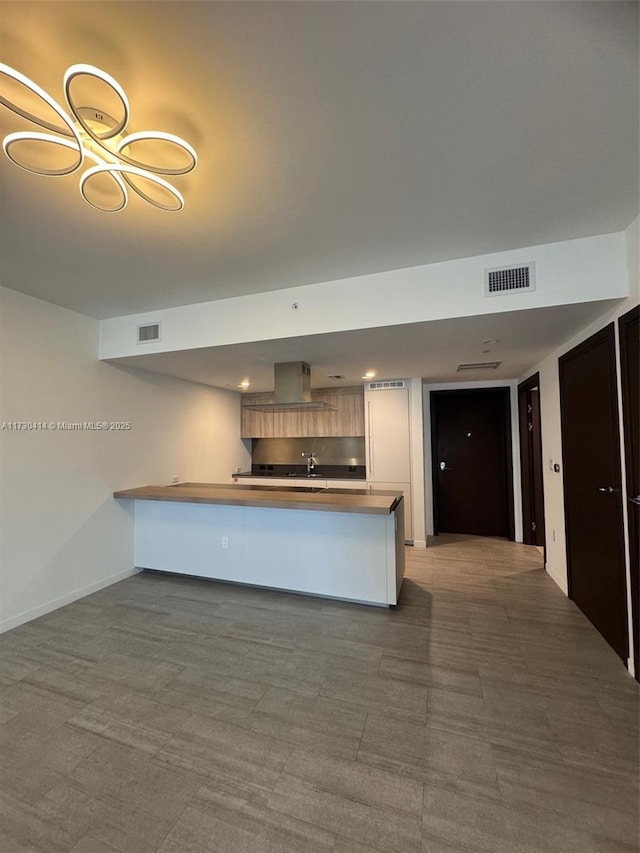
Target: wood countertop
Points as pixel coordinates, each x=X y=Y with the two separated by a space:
x=370 y=501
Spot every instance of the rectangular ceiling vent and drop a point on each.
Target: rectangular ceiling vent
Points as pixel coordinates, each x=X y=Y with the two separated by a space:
x=384 y=386
x=520 y=279
x=149 y=333
x=479 y=365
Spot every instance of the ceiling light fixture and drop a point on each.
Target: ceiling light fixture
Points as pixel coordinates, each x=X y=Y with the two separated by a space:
x=92 y=134
x=369 y=375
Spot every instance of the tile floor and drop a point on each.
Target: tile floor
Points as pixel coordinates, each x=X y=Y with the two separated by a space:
x=174 y=715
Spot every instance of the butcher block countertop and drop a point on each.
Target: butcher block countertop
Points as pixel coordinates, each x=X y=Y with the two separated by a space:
x=366 y=500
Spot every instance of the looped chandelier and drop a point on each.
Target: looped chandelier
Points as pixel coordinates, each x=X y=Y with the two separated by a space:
x=86 y=133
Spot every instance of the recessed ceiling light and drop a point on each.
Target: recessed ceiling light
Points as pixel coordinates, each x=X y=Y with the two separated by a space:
x=369 y=374
x=490 y=341
x=90 y=134
x=244 y=384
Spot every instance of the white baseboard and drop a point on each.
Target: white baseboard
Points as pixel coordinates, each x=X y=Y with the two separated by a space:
x=56 y=603
x=419 y=543
x=557 y=578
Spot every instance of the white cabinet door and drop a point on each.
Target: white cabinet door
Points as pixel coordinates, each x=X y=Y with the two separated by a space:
x=317 y=482
x=346 y=484
x=387 y=438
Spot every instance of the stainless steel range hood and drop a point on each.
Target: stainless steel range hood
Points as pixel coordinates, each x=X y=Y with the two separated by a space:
x=292 y=383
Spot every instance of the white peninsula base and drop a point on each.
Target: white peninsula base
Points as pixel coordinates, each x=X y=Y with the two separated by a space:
x=348 y=555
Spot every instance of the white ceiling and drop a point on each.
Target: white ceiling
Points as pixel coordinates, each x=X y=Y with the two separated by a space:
x=335 y=139
x=430 y=350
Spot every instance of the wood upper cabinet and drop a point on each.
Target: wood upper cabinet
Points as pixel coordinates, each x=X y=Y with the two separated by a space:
x=348 y=419
x=256 y=424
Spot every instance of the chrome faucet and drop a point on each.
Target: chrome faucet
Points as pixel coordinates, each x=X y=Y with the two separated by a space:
x=311 y=462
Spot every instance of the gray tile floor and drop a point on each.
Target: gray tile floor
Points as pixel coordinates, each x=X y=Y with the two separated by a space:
x=175 y=715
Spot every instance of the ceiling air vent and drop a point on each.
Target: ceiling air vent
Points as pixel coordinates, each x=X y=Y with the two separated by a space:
x=149 y=333
x=479 y=365
x=510 y=279
x=383 y=386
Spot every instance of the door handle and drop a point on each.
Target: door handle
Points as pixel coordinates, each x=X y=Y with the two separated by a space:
x=608 y=490
x=635 y=500
x=444 y=467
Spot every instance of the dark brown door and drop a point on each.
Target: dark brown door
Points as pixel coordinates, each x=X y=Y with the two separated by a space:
x=629 y=326
x=472 y=468
x=592 y=486
x=531 y=461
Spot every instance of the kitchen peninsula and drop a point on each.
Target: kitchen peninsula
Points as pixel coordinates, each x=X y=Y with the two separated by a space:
x=339 y=543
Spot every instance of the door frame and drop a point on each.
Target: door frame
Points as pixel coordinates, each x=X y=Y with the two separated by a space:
x=527 y=481
x=504 y=392
x=625 y=326
x=607 y=333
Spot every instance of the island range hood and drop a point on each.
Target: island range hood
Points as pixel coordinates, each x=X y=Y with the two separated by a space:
x=292 y=384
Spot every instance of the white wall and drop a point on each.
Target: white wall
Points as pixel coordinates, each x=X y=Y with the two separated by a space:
x=585 y=270
x=62 y=535
x=515 y=445
x=550 y=417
